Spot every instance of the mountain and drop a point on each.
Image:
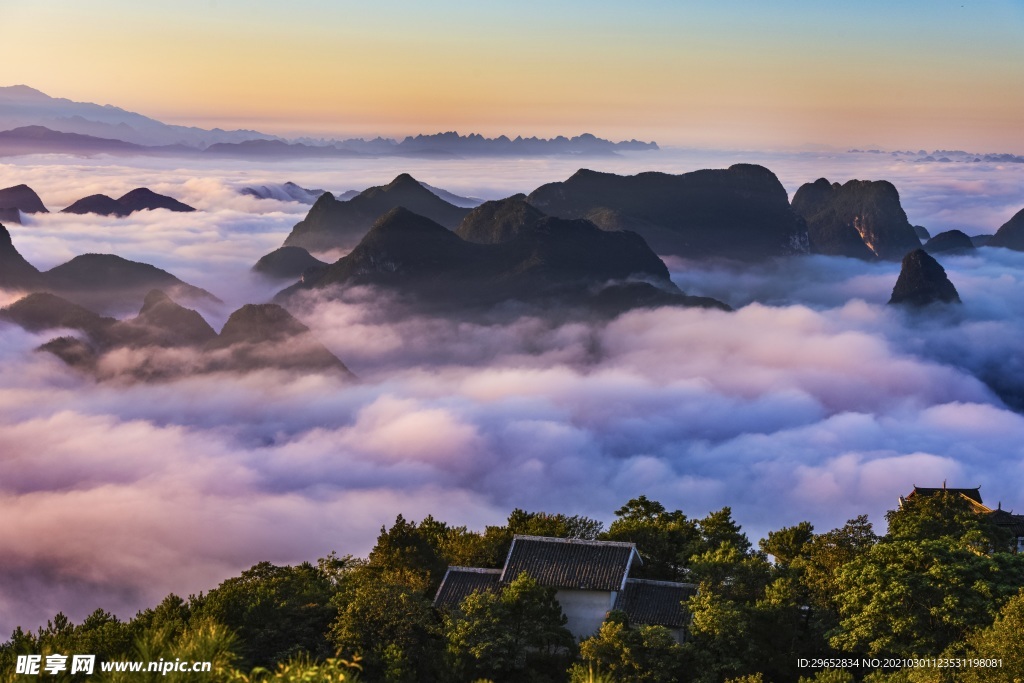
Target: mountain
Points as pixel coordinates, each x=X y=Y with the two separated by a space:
x=164 y=323
x=44 y=311
x=949 y=241
x=477 y=145
x=922 y=281
x=265 y=336
x=738 y=213
x=860 y=219
x=276 y=149
x=331 y=224
x=287 y=263
x=22 y=106
x=285 y=192
x=452 y=198
x=139 y=199
x=255 y=337
x=41 y=140
x=97 y=281
x=99 y=204
x=1011 y=234
x=921 y=232
x=109 y=282
x=15 y=271
x=499 y=221
x=555 y=261
x=17 y=200
x=290 y=192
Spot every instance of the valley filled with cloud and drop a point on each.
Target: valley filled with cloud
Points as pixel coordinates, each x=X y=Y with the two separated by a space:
x=812 y=400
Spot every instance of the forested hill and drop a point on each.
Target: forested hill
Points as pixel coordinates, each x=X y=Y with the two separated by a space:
x=942 y=582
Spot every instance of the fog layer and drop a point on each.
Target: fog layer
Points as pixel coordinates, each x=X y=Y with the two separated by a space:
x=813 y=400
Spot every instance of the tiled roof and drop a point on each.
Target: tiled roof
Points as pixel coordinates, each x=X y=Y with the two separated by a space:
x=658 y=603
x=459 y=582
x=974 y=494
x=570 y=563
x=1014 y=523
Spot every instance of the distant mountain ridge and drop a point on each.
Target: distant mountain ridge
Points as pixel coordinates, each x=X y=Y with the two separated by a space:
x=25 y=113
x=21 y=106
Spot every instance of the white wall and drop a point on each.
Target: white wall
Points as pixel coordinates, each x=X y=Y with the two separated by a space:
x=585 y=610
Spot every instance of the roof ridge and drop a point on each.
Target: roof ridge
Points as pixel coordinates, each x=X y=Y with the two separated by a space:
x=653 y=582
x=579 y=541
x=478 y=570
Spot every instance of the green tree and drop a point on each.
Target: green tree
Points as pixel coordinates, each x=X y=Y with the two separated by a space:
x=665 y=539
x=412 y=549
x=829 y=552
x=390 y=625
x=789 y=546
x=277 y=612
x=517 y=633
x=1003 y=641
x=641 y=654
x=905 y=598
x=718 y=528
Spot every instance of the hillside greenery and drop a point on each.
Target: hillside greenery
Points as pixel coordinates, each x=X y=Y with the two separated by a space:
x=942 y=583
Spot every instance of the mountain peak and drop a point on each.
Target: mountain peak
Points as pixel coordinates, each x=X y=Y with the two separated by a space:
x=23 y=198
x=923 y=281
x=154 y=298
x=1010 y=234
x=24 y=92
x=15 y=271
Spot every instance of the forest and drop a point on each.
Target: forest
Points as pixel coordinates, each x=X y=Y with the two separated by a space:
x=942 y=586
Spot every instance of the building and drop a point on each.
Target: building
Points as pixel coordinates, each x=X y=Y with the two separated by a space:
x=1000 y=517
x=591 y=578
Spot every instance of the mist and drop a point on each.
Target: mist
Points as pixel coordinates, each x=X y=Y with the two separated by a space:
x=813 y=400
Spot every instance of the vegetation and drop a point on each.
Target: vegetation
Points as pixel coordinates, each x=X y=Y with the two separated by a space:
x=942 y=582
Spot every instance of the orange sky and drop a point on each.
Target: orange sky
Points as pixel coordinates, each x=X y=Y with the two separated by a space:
x=739 y=74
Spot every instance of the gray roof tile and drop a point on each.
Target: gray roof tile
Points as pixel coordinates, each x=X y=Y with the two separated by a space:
x=570 y=563
x=658 y=603
x=459 y=582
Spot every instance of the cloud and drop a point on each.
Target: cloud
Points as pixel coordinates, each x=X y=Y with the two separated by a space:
x=814 y=400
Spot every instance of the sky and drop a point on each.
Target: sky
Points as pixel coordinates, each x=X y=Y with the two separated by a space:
x=732 y=74
x=813 y=400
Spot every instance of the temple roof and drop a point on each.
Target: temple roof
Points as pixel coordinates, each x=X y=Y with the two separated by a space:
x=659 y=603
x=570 y=563
x=459 y=582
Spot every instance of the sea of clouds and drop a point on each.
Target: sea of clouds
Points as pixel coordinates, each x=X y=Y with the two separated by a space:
x=813 y=400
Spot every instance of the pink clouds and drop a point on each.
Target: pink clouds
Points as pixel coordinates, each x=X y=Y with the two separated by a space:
x=814 y=400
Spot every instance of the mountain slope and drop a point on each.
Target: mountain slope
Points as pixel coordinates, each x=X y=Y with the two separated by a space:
x=737 y=213
x=139 y=199
x=553 y=262
x=15 y=271
x=333 y=224
x=860 y=219
x=1011 y=234
x=23 y=198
